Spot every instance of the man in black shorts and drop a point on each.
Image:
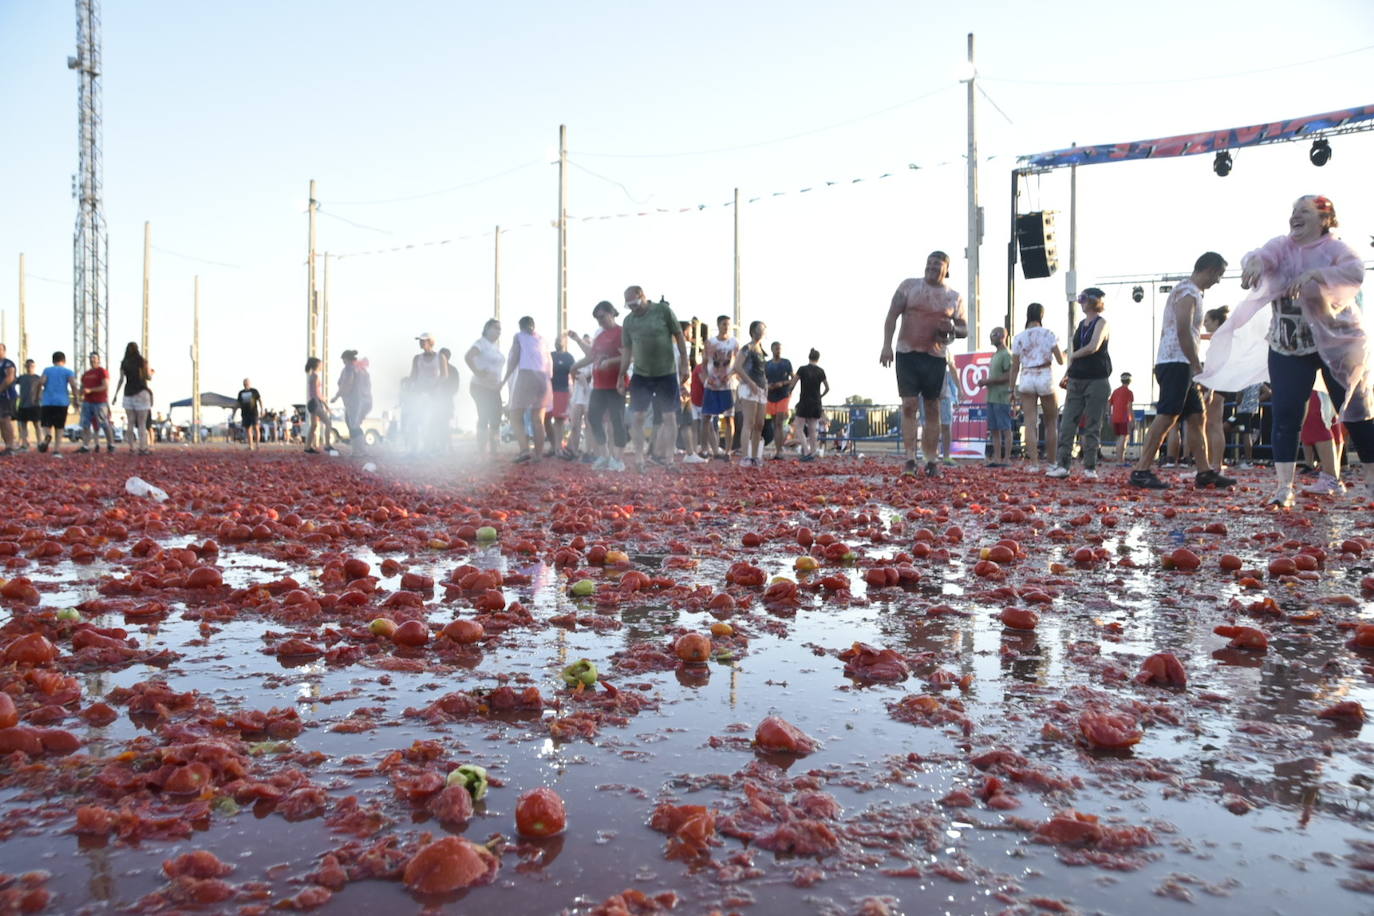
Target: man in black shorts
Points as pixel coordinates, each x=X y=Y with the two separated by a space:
x=1175 y=365
x=250 y=406
x=648 y=338
x=932 y=315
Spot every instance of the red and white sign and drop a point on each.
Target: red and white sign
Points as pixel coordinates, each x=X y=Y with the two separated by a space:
x=970 y=427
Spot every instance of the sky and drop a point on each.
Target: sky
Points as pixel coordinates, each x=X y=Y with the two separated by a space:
x=427 y=122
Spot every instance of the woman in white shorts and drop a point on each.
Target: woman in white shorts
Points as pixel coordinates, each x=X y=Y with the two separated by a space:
x=1032 y=381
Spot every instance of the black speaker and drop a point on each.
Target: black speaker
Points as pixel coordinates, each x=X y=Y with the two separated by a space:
x=1035 y=239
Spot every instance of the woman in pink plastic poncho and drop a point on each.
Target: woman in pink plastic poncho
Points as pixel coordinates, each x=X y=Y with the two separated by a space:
x=1305 y=282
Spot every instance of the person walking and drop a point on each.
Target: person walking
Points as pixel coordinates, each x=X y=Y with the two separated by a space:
x=1177 y=363
x=606 y=403
x=1090 y=366
x=315 y=409
x=57 y=389
x=531 y=395
x=718 y=399
x=9 y=401
x=1121 y=404
x=1032 y=383
x=250 y=412
x=556 y=422
x=648 y=338
x=354 y=388
x=780 y=380
x=932 y=314
x=1306 y=282
x=578 y=404
x=134 y=375
x=428 y=370
x=95 y=407
x=485 y=360
x=750 y=369
x=29 y=413
x=997 y=384
x=814 y=387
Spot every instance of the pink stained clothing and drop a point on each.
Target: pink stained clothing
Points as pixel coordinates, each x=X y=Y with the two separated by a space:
x=534 y=356
x=1239 y=353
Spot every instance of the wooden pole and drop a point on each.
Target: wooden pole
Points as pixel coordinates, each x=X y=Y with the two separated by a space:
x=562 y=229
x=496 y=278
x=195 y=364
x=975 y=221
x=737 y=297
x=311 y=300
x=23 y=326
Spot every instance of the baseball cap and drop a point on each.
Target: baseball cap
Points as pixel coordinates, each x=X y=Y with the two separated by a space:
x=426 y=336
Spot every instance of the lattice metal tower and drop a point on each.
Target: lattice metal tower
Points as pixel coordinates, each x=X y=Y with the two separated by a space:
x=90 y=242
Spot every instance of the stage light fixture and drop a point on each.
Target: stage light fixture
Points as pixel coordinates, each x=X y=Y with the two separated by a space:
x=1137 y=294
x=1222 y=164
x=1320 y=154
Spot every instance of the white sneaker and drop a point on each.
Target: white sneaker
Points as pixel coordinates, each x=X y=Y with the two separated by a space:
x=1283 y=497
x=693 y=459
x=615 y=465
x=1090 y=473
x=1057 y=471
x=1245 y=466
x=1325 y=485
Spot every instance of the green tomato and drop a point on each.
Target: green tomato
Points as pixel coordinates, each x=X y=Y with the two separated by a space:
x=486 y=533
x=471 y=777
x=69 y=613
x=581 y=671
x=583 y=588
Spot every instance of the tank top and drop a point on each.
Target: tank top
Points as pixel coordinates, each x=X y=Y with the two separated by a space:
x=533 y=356
x=135 y=376
x=427 y=370
x=1098 y=365
x=754 y=366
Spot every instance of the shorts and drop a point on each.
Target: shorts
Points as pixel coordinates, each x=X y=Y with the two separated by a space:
x=1038 y=381
x=561 y=399
x=581 y=394
x=920 y=375
x=696 y=412
x=8 y=408
x=532 y=391
x=809 y=410
x=95 y=414
x=778 y=408
x=747 y=394
x=1178 y=395
x=1245 y=422
x=1121 y=428
x=143 y=400
x=660 y=391
x=999 y=418
x=249 y=418
x=1314 y=429
x=30 y=414
x=315 y=408
x=54 y=417
x=718 y=403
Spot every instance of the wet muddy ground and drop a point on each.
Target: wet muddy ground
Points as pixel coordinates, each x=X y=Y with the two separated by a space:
x=961 y=765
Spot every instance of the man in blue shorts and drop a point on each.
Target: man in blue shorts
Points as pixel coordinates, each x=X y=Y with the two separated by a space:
x=718 y=400
x=998 y=385
x=648 y=336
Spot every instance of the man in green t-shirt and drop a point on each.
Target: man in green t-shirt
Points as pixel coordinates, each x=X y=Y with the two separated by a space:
x=997 y=383
x=648 y=336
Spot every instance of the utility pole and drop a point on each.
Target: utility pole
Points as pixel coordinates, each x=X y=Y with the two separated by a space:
x=496 y=278
x=562 y=229
x=737 y=302
x=1071 y=278
x=90 y=241
x=311 y=301
x=23 y=326
x=975 y=212
x=195 y=363
x=147 y=256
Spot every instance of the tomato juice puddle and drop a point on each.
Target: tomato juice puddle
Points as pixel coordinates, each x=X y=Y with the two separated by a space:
x=972 y=772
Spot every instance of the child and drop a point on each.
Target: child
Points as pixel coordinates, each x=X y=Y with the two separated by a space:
x=56 y=390
x=1120 y=401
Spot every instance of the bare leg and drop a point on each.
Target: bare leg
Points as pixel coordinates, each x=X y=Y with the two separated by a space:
x=930 y=432
x=1049 y=409
x=910 y=418
x=1197 y=441
x=1215 y=435
x=537 y=421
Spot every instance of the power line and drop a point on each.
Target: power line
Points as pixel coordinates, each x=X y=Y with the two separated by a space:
x=1189 y=79
x=323 y=212
x=618 y=184
x=450 y=190
x=744 y=146
x=191 y=257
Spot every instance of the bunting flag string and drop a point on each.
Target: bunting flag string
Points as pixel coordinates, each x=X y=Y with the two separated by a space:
x=666 y=211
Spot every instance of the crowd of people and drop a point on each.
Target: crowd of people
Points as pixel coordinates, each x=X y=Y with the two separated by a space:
x=1305 y=281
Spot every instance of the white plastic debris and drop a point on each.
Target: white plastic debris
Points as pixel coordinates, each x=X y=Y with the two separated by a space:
x=370 y=468
x=137 y=486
